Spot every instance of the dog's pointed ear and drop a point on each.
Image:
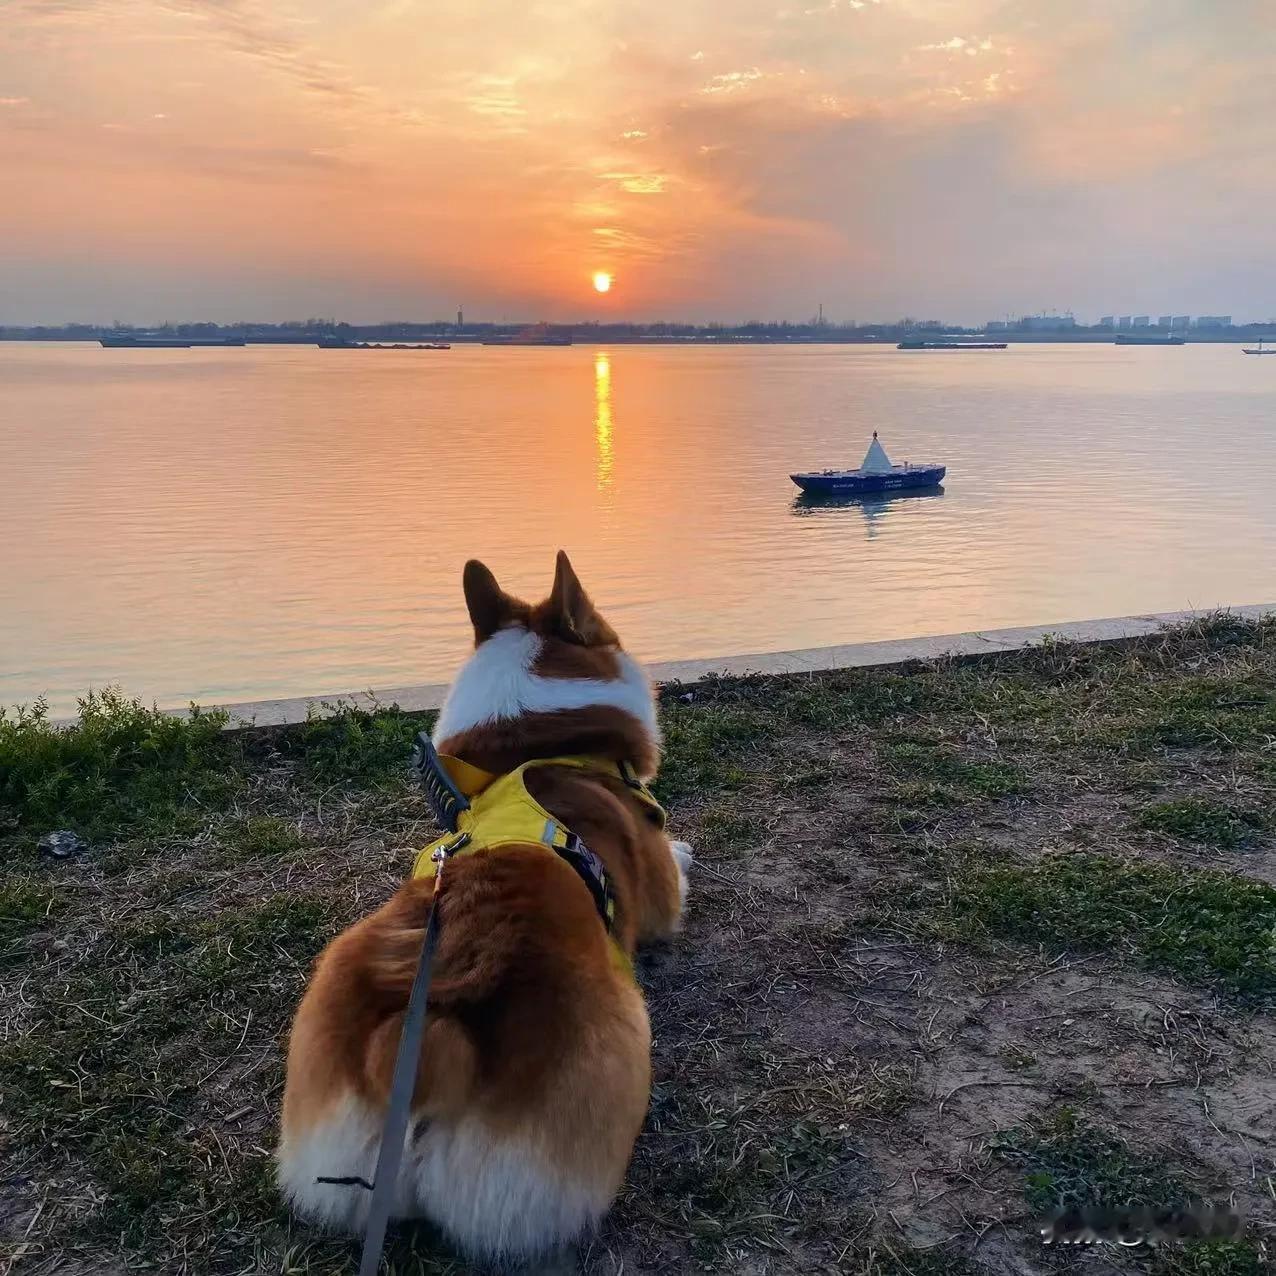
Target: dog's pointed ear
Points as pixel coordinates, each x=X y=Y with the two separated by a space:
x=490 y=607
x=572 y=613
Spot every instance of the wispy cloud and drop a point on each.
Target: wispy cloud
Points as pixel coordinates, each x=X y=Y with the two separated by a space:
x=732 y=81
x=640 y=183
x=972 y=47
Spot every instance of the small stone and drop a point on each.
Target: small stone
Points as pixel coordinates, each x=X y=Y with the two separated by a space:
x=62 y=844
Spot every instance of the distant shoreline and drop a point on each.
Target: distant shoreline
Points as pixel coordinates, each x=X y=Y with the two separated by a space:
x=586 y=338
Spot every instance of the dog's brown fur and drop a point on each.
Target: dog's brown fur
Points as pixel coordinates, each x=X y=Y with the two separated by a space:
x=535 y=1064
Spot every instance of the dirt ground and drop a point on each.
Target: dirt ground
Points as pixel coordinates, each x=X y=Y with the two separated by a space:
x=967 y=943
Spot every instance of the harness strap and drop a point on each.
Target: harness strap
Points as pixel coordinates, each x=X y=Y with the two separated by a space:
x=398 y=1109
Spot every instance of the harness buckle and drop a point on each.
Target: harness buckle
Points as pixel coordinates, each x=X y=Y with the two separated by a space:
x=446 y=800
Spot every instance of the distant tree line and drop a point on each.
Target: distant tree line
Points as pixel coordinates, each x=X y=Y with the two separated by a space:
x=308 y=331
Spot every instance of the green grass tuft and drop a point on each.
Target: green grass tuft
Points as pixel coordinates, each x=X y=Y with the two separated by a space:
x=936 y=775
x=725 y=829
x=1203 y=820
x=1067 y=1164
x=355 y=746
x=264 y=835
x=122 y=768
x=25 y=904
x=1203 y=925
x=1217 y=1257
x=710 y=748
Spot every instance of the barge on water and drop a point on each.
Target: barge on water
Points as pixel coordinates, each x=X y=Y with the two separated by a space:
x=951 y=345
x=876 y=474
x=337 y=343
x=167 y=343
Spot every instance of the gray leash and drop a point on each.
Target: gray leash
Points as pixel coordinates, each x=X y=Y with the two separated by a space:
x=398 y=1109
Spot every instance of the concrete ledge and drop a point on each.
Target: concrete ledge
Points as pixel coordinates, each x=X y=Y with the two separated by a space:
x=276 y=713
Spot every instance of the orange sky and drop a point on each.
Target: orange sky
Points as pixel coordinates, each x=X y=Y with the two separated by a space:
x=374 y=159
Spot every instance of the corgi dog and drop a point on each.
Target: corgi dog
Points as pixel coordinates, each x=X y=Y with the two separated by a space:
x=535 y=1067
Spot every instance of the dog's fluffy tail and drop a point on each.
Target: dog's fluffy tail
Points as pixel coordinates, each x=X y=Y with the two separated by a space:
x=470 y=962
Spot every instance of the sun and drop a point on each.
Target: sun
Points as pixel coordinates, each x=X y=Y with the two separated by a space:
x=602 y=281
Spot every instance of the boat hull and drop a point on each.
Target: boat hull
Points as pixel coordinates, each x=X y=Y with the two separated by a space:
x=853 y=483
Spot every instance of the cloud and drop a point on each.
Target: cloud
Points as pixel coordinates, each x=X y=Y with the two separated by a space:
x=971 y=47
x=732 y=81
x=640 y=183
x=237 y=24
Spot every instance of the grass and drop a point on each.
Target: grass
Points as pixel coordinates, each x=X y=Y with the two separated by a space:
x=1215 y=1258
x=110 y=1065
x=1201 y=924
x=343 y=745
x=937 y=775
x=1068 y=1164
x=1203 y=820
x=26 y=903
x=899 y=871
x=263 y=835
x=122 y=768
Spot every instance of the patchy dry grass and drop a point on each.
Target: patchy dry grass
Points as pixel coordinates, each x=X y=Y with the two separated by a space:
x=935 y=907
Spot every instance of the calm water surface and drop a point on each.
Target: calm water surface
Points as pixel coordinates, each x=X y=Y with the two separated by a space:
x=241 y=523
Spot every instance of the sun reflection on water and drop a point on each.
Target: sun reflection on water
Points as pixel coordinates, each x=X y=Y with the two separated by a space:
x=602 y=418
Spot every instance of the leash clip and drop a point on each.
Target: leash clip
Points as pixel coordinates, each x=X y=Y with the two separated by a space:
x=441 y=854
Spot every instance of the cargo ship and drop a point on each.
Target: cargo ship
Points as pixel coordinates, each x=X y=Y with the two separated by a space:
x=876 y=474
x=167 y=343
x=1125 y=339
x=951 y=345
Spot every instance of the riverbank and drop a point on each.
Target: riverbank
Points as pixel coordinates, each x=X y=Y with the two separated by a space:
x=856 y=655
x=968 y=939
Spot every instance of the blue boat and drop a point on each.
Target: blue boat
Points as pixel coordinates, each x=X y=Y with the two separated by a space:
x=875 y=474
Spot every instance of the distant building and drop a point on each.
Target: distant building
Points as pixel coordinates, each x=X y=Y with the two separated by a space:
x=1123 y=322
x=1140 y=321
x=1165 y=321
x=1181 y=321
x=1106 y=322
x=996 y=325
x=1214 y=321
x=1046 y=323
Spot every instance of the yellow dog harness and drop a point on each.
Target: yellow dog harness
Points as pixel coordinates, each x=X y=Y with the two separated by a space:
x=482 y=811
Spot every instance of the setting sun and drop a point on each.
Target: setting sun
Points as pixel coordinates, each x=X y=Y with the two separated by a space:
x=602 y=281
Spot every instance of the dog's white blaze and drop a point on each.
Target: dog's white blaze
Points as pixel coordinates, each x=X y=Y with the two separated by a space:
x=497 y=682
x=493 y=1198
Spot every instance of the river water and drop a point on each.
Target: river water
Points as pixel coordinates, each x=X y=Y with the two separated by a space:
x=228 y=524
